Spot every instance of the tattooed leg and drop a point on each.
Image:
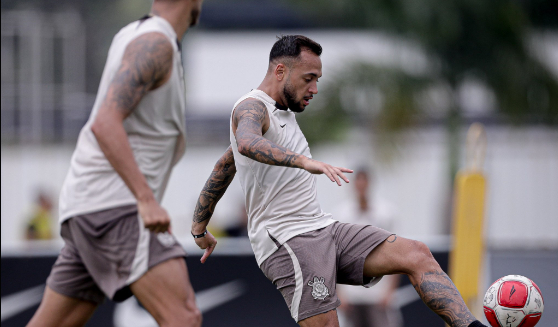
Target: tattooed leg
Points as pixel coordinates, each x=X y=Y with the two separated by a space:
x=398 y=255
x=440 y=294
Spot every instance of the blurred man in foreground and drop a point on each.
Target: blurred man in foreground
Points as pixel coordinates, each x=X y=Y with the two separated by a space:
x=116 y=235
x=300 y=248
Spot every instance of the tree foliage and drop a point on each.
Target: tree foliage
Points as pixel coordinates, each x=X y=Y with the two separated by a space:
x=489 y=41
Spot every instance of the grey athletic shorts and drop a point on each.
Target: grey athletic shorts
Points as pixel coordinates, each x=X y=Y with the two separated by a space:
x=306 y=268
x=106 y=251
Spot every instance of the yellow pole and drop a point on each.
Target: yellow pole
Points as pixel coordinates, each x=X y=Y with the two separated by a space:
x=468 y=219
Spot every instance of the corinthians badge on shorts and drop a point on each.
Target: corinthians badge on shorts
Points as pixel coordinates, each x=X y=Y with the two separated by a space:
x=319 y=290
x=166 y=239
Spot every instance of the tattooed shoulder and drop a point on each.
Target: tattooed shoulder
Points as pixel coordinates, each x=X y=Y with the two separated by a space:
x=252 y=110
x=146 y=65
x=152 y=54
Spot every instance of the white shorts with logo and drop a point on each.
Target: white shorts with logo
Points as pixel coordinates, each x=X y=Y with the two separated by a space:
x=306 y=268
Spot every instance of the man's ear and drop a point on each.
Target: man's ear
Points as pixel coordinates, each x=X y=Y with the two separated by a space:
x=280 y=71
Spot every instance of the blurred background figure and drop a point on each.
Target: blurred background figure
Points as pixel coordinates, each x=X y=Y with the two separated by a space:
x=39 y=225
x=369 y=307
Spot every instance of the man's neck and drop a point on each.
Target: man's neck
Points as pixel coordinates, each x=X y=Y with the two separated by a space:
x=174 y=13
x=272 y=90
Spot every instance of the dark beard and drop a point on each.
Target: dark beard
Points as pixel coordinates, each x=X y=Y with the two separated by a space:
x=288 y=93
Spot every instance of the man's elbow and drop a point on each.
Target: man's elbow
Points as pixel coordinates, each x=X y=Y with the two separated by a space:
x=106 y=122
x=98 y=127
x=243 y=148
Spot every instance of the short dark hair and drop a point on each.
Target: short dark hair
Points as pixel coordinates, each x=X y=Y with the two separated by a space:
x=292 y=45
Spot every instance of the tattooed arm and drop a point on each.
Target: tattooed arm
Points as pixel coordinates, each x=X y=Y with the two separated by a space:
x=146 y=65
x=251 y=121
x=215 y=186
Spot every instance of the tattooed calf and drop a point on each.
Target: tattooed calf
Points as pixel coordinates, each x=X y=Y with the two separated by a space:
x=440 y=294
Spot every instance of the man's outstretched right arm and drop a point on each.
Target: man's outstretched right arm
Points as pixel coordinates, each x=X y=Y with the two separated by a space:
x=214 y=188
x=250 y=119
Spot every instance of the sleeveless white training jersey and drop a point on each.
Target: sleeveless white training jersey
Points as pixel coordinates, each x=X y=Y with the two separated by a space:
x=156 y=132
x=281 y=202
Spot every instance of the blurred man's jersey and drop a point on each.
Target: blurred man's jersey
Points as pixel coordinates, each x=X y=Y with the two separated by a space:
x=155 y=128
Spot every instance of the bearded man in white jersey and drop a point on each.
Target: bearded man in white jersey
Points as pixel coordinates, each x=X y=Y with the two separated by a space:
x=300 y=248
x=117 y=240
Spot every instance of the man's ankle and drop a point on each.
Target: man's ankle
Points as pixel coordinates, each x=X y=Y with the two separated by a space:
x=477 y=323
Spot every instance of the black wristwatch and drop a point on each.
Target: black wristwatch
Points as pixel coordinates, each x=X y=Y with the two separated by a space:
x=200 y=235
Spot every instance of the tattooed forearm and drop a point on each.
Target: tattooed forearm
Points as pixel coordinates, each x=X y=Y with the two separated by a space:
x=440 y=294
x=146 y=65
x=249 y=118
x=265 y=151
x=215 y=186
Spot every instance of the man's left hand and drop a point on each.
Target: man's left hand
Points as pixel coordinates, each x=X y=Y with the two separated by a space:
x=207 y=243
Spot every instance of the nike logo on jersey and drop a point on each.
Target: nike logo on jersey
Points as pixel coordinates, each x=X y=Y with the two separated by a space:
x=283 y=125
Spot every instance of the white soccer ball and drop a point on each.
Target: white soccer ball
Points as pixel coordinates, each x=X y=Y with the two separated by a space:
x=513 y=301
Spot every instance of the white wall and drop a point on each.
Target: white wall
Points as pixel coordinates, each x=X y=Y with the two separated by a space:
x=521 y=168
x=220 y=67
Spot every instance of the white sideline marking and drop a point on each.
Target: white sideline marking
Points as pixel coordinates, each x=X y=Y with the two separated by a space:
x=15 y=303
x=218 y=295
x=130 y=314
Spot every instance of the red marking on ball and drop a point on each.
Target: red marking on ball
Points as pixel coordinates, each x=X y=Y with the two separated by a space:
x=491 y=317
x=530 y=320
x=513 y=294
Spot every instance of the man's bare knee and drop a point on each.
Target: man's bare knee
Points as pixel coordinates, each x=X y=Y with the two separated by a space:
x=420 y=257
x=189 y=318
x=194 y=314
x=197 y=317
x=187 y=314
